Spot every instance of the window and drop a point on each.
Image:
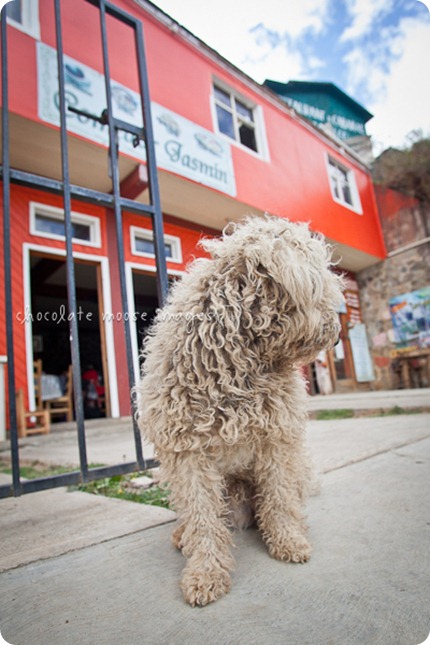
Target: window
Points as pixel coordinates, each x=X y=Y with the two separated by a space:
x=48 y=221
x=343 y=186
x=24 y=15
x=142 y=244
x=235 y=117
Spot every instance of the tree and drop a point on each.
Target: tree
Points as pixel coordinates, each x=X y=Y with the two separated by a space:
x=407 y=170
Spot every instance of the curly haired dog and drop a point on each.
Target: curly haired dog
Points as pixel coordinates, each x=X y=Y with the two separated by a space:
x=222 y=399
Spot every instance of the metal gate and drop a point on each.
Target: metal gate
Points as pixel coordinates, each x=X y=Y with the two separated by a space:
x=113 y=201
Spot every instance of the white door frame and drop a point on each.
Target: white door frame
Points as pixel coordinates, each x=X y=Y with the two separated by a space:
x=103 y=261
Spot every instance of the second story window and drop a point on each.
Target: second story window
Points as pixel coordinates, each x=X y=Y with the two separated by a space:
x=235 y=117
x=343 y=185
x=24 y=15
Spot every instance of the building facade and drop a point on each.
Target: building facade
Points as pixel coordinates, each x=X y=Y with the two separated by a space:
x=395 y=294
x=225 y=147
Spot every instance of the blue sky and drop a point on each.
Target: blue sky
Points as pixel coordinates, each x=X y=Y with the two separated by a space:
x=377 y=51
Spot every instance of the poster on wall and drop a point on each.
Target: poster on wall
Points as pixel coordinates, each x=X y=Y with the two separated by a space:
x=363 y=365
x=410 y=314
x=181 y=146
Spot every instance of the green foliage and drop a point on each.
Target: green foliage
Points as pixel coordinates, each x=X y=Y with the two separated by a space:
x=406 y=170
x=330 y=415
x=119 y=488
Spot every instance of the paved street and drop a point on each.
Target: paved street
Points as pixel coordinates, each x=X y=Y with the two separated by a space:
x=83 y=569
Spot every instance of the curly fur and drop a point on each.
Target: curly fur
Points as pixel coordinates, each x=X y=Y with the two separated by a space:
x=221 y=396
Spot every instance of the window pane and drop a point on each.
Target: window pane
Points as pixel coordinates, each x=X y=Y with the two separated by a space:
x=54 y=226
x=225 y=122
x=243 y=110
x=144 y=246
x=222 y=96
x=247 y=137
x=147 y=246
x=347 y=194
x=49 y=225
x=14 y=10
x=81 y=232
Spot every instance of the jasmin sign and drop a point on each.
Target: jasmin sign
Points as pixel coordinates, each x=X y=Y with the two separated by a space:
x=181 y=146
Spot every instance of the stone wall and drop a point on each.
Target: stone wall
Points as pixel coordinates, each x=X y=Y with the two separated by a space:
x=404 y=222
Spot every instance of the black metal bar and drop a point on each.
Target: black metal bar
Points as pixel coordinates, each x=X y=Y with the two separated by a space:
x=75 y=478
x=118 y=225
x=116 y=12
x=8 y=264
x=157 y=219
x=118 y=123
x=77 y=192
x=114 y=201
x=70 y=268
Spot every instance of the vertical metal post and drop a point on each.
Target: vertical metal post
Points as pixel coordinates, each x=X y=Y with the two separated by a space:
x=154 y=192
x=16 y=482
x=71 y=285
x=118 y=224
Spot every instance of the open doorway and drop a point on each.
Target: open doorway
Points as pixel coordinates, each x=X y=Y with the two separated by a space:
x=50 y=325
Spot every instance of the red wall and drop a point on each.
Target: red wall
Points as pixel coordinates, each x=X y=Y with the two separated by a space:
x=293 y=183
x=20 y=234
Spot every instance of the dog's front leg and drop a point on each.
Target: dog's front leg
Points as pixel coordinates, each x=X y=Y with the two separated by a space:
x=197 y=496
x=282 y=475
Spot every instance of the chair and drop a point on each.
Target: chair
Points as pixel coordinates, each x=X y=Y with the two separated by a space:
x=36 y=422
x=37 y=374
x=63 y=405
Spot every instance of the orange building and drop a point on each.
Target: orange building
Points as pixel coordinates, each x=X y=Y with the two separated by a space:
x=225 y=146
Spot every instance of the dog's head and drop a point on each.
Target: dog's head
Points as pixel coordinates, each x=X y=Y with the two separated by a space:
x=288 y=293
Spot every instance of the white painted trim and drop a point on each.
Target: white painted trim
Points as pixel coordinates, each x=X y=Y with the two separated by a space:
x=129 y=267
x=147 y=234
x=356 y=206
x=262 y=151
x=108 y=323
x=31 y=23
x=53 y=212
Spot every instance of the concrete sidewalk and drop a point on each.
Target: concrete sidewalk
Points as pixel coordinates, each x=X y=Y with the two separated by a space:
x=84 y=569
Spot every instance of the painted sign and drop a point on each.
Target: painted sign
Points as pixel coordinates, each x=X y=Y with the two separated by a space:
x=181 y=146
x=343 y=126
x=363 y=365
x=410 y=314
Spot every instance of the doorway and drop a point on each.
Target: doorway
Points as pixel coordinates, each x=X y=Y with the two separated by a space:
x=50 y=323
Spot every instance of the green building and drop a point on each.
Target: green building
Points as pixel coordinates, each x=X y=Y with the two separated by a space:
x=325 y=105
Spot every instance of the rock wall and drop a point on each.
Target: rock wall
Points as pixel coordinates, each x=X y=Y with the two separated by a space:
x=404 y=222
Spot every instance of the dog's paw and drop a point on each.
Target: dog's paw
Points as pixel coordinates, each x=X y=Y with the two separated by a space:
x=201 y=588
x=291 y=550
x=177 y=536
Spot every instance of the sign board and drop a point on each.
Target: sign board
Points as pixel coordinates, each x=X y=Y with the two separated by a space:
x=344 y=127
x=363 y=364
x=410 y=314
x=181 y=146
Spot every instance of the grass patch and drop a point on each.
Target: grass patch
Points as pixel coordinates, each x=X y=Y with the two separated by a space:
x=119 y=488
x=398 y=410
x=36 y=470
x=331 y=415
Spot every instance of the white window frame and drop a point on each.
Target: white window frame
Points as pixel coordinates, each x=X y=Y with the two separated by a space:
x=258 y=123
x=146 y=234
x=52 y=212
x=30 y=19
x=355 y=206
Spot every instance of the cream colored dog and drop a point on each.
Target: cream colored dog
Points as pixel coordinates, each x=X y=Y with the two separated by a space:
x=222 y=398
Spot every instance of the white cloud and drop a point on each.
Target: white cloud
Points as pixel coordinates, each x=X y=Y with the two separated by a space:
x=386 y=67
x=403 y=106
x=229 y=27
x=363 y=15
